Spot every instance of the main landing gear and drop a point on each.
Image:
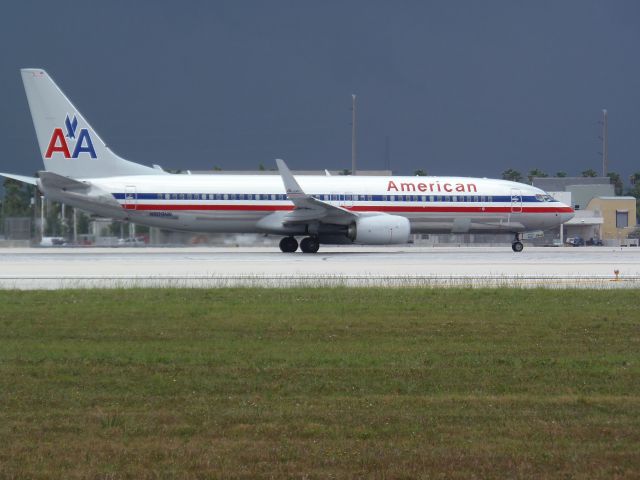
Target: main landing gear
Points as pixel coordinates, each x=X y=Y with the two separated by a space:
x=517 y=246
x=307 y=245
x=288 y=245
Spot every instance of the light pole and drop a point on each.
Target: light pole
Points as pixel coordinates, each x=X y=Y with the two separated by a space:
x=41 y=217
x=605 y=144
x=353 y=134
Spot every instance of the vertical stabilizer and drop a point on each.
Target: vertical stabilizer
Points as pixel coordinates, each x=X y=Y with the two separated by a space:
x=68 y=144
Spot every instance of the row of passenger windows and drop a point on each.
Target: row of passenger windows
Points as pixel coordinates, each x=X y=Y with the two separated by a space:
x=327 y=198
x=220 y=196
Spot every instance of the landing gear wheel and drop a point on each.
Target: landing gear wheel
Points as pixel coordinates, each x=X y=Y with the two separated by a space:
x=288 y=245
x=309 y=245
x=517 y=246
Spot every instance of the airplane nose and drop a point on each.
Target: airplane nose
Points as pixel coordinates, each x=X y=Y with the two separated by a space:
x=567 y=213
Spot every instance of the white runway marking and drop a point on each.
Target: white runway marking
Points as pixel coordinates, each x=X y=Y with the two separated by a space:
x=392 y=266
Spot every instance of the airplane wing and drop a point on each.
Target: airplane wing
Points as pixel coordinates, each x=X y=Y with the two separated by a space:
x=20 y=178
x=308 y=208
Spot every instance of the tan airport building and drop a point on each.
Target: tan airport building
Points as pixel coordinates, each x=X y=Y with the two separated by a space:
x=600 y=215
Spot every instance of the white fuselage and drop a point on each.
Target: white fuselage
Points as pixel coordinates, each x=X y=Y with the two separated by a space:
x=238 y=203
x=82 y=171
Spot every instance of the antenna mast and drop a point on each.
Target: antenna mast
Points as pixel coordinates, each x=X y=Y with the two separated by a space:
x=353 y=134
x=605 y=144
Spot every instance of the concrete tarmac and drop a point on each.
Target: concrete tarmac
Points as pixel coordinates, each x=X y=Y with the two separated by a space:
x=52 y=268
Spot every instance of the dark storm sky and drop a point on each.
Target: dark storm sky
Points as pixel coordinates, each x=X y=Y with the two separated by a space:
x=459 y=87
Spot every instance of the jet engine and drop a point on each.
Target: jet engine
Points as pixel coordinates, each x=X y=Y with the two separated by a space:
x=379 y=230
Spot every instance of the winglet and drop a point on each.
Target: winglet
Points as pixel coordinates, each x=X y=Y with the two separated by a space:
x=304 y=202
x=291 y=186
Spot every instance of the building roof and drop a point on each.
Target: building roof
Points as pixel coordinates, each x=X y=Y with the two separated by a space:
x=559 y=184
x=586 y=217
x=617 y=198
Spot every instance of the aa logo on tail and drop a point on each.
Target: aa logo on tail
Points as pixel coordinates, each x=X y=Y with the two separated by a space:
x=60 y=142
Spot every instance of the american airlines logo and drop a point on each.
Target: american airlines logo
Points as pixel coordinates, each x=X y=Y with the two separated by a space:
x=436 y=186
x=62 y=142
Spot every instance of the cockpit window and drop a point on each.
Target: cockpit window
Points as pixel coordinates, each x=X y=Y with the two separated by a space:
x=545 y=198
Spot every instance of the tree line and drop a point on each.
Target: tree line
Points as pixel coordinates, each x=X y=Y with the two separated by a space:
x=19 y=201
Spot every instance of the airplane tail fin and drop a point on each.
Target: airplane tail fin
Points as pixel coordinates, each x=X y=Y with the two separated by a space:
x=69 y=145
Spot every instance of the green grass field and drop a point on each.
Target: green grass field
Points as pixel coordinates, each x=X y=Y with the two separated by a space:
x=320 y=383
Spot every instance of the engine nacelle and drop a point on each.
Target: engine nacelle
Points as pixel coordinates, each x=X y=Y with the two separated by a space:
x=380 y=230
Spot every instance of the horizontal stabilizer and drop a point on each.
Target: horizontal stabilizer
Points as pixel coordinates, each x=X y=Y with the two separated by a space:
x=21 y=178
x=53 y=180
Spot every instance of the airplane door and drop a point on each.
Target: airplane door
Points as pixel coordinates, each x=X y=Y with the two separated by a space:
x=516 y=200
x=130 y=197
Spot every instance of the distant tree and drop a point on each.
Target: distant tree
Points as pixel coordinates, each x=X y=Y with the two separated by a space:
x=17 y=198
x=635 y=233
x=561 y=174
x=53 y=220
x=116 y=229
x=589 y=172
x=536 y=172
x=345 y=171
x=420 y=173
x=635 y=178
x=513 y=175
x=261 y=167
x=616 y=180
x=216 y=168
x=83 y=222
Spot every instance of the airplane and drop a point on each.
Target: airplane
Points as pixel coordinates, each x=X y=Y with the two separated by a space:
x=83 y=172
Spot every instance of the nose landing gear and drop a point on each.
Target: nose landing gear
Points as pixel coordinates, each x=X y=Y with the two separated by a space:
x=517 y=246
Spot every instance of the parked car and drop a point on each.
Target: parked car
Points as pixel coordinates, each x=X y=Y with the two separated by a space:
x=595 y=242
x=52 y=242
x=575 y=241
x=131 y=242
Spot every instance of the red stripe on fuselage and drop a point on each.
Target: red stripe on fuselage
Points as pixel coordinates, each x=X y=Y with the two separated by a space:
x=371 y=208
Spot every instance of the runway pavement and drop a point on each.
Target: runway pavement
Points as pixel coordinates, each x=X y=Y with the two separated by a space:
x=52 y=268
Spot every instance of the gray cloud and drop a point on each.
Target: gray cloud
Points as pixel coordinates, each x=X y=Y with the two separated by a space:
x=468 y=88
